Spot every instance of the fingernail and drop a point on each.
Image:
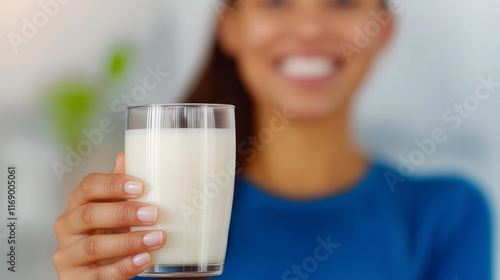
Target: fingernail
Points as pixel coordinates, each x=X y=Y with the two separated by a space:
x=147 y=214
x=133 y=187
x=153 y=238
x=141 y=259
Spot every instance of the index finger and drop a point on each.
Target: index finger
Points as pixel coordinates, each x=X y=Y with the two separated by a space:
x=96 y=187
x=120 y=164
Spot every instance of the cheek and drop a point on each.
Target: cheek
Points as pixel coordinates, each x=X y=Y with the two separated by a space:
x=257 y=34
x=255 y=63
x=255 y=75
x=362 y=36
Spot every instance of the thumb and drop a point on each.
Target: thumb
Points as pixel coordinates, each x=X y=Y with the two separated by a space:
x=120 y=164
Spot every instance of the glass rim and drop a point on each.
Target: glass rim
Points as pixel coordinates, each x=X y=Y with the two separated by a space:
x=192 y=105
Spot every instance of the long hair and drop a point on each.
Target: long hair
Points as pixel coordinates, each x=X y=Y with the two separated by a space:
x=220 y=83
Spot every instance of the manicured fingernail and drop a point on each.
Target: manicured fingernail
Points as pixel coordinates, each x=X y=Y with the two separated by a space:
x=141 y=259
x=133 y=187
x=153 y=238
x=147 y=214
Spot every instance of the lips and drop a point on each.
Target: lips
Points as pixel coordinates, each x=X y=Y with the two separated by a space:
x=299 y=67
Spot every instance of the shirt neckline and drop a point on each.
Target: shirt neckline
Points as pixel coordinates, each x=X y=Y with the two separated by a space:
x=356 y=188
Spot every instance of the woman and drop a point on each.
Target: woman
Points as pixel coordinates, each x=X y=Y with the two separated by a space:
x=308 y=204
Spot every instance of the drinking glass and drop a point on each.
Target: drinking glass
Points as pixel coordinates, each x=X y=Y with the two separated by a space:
x=185 y=155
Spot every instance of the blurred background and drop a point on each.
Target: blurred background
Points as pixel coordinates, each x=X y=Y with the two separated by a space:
x=68 y=69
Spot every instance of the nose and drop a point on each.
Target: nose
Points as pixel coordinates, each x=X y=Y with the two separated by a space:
x=309 y=24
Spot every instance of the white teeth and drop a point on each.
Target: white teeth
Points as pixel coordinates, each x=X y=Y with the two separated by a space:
x=307 y=67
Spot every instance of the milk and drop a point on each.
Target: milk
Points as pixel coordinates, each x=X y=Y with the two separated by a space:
x=189 y=175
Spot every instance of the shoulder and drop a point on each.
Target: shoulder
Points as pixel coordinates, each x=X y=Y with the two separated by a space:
x=441 y=212
x=449 y=196
x=438 y=185
x=430 y=191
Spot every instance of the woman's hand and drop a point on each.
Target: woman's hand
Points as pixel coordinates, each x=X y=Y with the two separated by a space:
x=94 y=235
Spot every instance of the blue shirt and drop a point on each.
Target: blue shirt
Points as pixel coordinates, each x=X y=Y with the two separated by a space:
x=386 y=227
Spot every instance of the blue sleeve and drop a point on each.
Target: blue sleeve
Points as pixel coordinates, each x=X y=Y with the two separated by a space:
x=462 y=242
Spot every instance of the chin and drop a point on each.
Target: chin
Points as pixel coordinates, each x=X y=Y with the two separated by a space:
x=313 y=110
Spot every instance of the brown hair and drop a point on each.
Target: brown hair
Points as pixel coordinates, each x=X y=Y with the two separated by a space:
x=220 y=83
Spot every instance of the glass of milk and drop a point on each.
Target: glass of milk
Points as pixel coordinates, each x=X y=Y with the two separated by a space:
x=185 y=155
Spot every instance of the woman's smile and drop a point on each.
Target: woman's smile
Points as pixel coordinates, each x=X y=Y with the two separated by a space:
x=308 y=68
